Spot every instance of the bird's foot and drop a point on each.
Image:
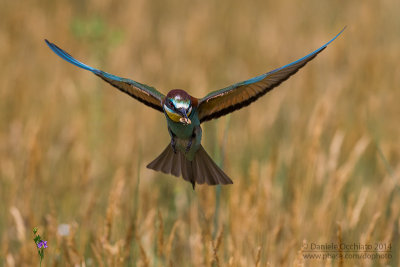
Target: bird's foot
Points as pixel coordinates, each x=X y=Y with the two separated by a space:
x=189 y=145
x=173 y=144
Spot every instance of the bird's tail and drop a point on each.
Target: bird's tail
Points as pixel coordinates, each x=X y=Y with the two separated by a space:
x=202 y=169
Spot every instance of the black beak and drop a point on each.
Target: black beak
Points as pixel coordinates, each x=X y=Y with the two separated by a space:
x=184 y=118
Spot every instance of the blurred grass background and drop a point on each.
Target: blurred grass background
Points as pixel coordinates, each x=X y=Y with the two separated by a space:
x=316 y=160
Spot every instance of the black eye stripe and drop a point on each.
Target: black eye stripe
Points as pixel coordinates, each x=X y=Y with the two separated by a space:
x=172 y=106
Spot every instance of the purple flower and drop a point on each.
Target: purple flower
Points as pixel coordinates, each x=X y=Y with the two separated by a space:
x=42 y=244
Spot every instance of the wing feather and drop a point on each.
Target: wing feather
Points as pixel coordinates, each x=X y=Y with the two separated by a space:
x=239 y=95
x=141 y=92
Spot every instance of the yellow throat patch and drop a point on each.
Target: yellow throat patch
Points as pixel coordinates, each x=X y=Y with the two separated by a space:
x=172 y=115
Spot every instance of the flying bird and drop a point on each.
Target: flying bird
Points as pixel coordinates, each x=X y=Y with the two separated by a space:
x=184 y=155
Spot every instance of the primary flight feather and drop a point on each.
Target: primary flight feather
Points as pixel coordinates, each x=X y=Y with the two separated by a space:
x=185 y=156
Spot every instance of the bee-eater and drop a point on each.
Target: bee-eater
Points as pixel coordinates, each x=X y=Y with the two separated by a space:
x=185 y=156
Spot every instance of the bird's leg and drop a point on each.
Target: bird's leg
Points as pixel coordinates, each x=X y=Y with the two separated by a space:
x=196 y=134
x=173 y=141
x=173 y=144
x=189 y=144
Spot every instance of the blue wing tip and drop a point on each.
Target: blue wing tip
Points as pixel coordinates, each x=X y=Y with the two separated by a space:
x=64 y=55
x=50 y=44
x=262 y=76
x=334 y=38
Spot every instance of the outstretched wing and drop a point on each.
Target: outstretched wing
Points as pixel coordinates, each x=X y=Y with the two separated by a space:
x=234 y=97
x=144 y=93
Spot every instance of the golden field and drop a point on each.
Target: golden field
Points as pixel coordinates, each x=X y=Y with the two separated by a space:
x=315 y=161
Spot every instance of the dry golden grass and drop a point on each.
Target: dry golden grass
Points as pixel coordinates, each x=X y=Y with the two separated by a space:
x=316 y=160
